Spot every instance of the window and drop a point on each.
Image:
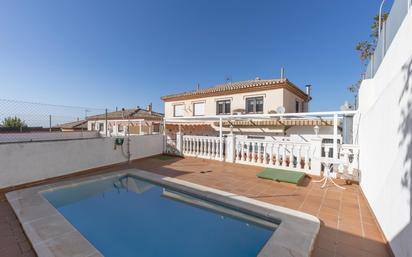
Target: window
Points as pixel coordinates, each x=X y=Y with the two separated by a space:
x=120 y=128
x=101 y=127
x=223 y=107
x=198 y=109
x=156 y=128
x=254 y=105
x=297 y=106
x=179 y=110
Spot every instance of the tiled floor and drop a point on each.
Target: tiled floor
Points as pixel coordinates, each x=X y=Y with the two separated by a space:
x=348 y=227
x=13 y=241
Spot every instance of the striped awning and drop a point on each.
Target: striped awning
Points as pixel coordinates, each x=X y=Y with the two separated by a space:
x=279 y=122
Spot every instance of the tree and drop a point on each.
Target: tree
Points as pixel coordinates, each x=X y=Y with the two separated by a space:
x=367 y=47
x=13 y=122
x=354 y=89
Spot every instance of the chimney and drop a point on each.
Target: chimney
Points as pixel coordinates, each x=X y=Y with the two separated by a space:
x=308 y=91
x=282 y=73
x=149 y=107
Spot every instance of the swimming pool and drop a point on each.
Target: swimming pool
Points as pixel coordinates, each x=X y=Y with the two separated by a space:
x=138 y=213
x=127 y=216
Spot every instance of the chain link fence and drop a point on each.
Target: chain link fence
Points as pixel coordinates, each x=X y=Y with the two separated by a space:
x=27 y=121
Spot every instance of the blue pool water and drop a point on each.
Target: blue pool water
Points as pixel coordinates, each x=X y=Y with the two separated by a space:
x=131 y=217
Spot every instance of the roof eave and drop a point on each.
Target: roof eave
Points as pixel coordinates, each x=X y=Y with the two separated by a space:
x=267 y=86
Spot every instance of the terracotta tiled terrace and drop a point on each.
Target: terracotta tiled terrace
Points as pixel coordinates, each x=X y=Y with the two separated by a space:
x=348 y=228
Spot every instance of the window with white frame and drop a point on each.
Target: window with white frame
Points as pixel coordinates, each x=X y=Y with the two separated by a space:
x=223 y=107
x=199 y=109
x=179 y=110
x=254 y=104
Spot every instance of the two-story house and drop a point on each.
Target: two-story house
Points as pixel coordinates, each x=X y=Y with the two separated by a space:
x=256 y=96
x=250 y=96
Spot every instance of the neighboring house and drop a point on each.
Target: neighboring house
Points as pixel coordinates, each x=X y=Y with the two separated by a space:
x=244 y=97
x=136 y=121
x=79 y=125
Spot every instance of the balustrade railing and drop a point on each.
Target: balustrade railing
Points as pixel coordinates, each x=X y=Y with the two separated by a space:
x=327 y=150
x=350 y=156
x=289 y=155
x=202 y=146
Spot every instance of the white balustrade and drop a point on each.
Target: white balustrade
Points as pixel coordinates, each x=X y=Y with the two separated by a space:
x=299 y=156
x=201 y=146
x=273 y=154
x=350 y=155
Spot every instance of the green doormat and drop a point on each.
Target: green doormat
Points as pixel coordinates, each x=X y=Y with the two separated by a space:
x=163 y=157
x=282 y=175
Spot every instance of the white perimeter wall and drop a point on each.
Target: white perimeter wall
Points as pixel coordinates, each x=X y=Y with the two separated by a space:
x=385 y=134
x=26 y=162
x=45 y=136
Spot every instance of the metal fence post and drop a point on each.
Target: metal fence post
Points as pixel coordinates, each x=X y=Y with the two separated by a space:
x=383 y=39
x=50 y=123
x=105 y=117
x=372 y=65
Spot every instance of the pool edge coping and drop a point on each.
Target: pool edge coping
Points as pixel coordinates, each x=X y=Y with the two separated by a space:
x=295 y=235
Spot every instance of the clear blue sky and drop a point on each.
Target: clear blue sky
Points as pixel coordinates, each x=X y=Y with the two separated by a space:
x=126 y=53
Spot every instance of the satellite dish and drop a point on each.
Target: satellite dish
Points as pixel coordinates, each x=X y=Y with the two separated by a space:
x=280 y=109
x=346 y=106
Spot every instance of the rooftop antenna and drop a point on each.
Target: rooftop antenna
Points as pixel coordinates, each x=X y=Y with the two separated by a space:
x=228 y=79
x=309 y=91
x=282 y=73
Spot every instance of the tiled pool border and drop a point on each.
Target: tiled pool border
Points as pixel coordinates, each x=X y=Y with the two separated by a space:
x=52 y=235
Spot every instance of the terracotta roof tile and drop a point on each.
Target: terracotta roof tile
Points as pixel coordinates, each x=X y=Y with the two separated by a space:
x=135 y=113
x=72 y=125
x=232 y=86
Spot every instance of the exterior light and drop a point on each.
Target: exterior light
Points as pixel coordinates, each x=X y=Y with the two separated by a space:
x=316 y=129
